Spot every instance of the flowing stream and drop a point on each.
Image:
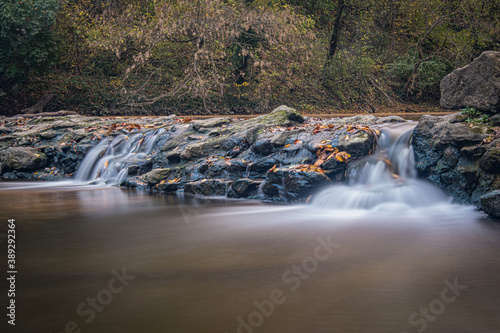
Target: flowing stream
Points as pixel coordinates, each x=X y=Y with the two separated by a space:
x=387 y=182
x=385 y=253
x=109 y=160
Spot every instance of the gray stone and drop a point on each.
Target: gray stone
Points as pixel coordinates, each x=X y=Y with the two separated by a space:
x=263 y=147
x=155 y=176
x=22 y=158
x=454 y=157
x=288 y=184
x=206 y=124
x=50 y=134
x=358 y=144
x=491 y=203
x=208 y=187
x=244 y=188
x=476 y=85
x=193 y=150
x=491 y=160
x=281 y=116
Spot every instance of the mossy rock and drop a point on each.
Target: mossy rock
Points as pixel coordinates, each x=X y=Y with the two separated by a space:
x=22 y=158
x=155 y=176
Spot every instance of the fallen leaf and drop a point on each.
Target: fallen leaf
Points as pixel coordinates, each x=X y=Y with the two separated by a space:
x=342 y=156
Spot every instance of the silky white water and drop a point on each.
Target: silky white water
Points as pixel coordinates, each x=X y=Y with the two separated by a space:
x=386 y=182
x=109 y=160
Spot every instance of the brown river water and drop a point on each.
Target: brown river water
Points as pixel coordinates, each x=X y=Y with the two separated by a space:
x=109 y=260
x=379 y=254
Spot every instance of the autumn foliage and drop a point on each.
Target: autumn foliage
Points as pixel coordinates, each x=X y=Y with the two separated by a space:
x=232 y=56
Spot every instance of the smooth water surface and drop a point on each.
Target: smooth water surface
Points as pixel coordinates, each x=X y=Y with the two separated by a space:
x=238 y=266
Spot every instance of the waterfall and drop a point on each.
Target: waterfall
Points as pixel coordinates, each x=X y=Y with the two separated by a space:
x=386 y=180
x=109 y=160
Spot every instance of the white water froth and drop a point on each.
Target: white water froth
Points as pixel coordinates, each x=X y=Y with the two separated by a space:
x=386 y=184
x=109 y=160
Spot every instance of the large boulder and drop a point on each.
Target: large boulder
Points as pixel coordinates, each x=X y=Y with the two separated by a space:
x=22 y=158
x=476 y=85
x=458 y=157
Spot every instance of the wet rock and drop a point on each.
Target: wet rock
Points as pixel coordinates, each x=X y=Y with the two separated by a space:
x=9 y=176
x=287 y=184
x=236 y=165
x=476 y=85
x=208 y=187
x=62 y=124
x=173 y=157
x=280 y=139
x=358 y=144
x=263 y=147
x=490 y=161
x=491 y=203
x=140 y=167
x=443 y=129
x=193 y=150
x=265 y=163
x=335 y=170
x=473 y=152
x=313 y=143
x=244 y=188
x=251 y=134
x=453 y=156
x=169 y=187
x=206 y=125
x=155 y=176
x=22 y=158
x=47 y=135
x=297 y=156
x=433 y=135
x=281 y=116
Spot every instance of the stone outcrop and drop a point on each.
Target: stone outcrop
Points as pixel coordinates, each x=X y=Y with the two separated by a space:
x=268 y=157
x=476 y=85
x=459 y=157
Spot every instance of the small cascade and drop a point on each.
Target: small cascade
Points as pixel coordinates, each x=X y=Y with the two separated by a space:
x=109 y=160
x=385 y=181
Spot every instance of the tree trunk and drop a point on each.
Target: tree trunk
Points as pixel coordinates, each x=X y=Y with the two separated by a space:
x=38 y=107
x=337 y=26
